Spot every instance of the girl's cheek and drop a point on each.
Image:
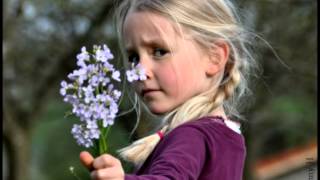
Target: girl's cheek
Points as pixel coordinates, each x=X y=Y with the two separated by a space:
x=168 y=78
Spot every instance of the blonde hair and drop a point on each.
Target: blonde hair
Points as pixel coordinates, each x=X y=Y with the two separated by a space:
x=207 y=21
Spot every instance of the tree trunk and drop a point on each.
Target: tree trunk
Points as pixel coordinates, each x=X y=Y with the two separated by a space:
x=17 y=144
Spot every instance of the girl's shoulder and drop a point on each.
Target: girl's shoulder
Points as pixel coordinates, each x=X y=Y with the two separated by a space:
x=211 y=127
x=214 y=121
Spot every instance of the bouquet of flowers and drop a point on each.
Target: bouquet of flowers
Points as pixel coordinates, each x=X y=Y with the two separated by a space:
x=93 y=96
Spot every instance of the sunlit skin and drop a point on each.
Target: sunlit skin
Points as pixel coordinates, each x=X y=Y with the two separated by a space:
x=176 y=68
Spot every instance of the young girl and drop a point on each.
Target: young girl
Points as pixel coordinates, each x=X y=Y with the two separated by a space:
x=196 y=63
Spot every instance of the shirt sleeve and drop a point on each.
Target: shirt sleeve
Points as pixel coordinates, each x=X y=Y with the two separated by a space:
x=182 y=158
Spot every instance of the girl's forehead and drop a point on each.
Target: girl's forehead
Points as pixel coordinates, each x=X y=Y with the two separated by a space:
x=149 y=26
x=148 y=19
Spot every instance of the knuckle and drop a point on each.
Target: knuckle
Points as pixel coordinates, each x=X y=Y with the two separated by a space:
x=117 y=161
x=96 y=163
x=105 y=157
x=99 y=175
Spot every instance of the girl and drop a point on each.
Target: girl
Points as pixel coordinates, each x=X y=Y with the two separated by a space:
x=196 y=63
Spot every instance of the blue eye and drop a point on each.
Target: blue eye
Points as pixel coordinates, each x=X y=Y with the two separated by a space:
x=159 y=52
x=133 y=58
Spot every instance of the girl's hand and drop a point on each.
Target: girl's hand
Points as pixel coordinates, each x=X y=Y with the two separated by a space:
x=104 y=167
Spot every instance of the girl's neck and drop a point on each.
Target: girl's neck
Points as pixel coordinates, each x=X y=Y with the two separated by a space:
x=219 y=111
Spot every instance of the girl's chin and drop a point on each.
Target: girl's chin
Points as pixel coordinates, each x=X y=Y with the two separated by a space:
x=157 y=110
x=157 y=113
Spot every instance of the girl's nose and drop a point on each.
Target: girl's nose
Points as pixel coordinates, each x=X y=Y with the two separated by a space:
x=147 y=65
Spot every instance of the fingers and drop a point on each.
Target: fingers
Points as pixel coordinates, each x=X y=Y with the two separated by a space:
x=106 y=173
x=105 y=161
x=103 y=167
x=87 y=160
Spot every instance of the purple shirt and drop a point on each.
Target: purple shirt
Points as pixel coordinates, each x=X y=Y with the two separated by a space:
x=205 y=149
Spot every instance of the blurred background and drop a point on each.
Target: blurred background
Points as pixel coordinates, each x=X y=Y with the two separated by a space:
x=40 y=43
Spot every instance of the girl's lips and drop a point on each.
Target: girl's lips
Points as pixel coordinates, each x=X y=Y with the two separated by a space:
x=148 y=91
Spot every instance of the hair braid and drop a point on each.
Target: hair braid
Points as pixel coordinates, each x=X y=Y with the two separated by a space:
x=228 y=86
x=139 y=150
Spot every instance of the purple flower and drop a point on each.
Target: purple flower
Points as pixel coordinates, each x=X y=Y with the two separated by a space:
x=93 y=95
x=137 y=73
x=107 y=122
x=92 y=124
x=116 y=75
x=104 y=54
x=72 y=99
x=141 y=73
x=78 y=75
x=108 y=66
x=64 y=87
x=82 y=57
x=131 y=76
x=116 y=94
x=93 y=98
x=84 y=136
x=94 y=81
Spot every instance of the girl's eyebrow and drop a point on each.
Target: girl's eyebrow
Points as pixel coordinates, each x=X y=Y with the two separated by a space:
x=147 y=43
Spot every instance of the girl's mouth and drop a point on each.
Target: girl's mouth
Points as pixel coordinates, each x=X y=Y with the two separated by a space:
x=146 y=92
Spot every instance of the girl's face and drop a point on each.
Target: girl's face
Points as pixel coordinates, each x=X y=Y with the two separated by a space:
x=175 y=65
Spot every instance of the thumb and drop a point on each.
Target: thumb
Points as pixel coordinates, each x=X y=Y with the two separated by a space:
x=87 y=160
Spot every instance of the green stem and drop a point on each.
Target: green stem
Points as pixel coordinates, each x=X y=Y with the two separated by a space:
x=109 y=127
x=103 y=148
x=97 y=90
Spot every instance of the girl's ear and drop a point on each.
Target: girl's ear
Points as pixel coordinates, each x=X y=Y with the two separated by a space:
x=218 y=57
